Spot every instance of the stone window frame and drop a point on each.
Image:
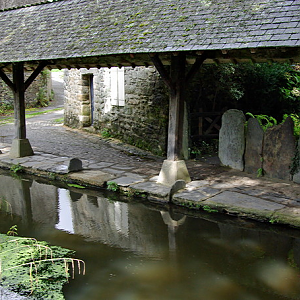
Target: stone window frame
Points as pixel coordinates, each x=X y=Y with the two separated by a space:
x=85 y=115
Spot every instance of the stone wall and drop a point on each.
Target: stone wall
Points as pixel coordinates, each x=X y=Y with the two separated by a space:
x=141 y=121
x=38 y=93
x=271 y=153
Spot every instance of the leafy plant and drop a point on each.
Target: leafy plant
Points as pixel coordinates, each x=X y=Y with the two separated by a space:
x=264 y=121
x=30 y=267
x=17 y=168
x=105 y=133
x=76 y=186
x=296 y=121
x=260 y=172
x=207 y=208
x=112 y=186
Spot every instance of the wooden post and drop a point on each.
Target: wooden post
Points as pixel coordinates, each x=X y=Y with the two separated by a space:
x=176 y=109
x=20 y=145
x=174 y=167
x=19 y=100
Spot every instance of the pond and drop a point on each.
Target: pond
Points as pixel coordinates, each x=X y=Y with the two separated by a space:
x=137 y=250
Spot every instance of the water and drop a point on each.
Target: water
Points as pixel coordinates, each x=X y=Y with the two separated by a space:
x=137 y=250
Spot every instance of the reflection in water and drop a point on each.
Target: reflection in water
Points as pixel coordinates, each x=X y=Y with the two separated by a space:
x=138 y=252
x=64 y=211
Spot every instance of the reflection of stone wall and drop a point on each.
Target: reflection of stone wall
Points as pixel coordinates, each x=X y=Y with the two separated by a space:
x=15 y=192
x=120 y=224
x=44 y=203
x=270 y=153
x=30 y=200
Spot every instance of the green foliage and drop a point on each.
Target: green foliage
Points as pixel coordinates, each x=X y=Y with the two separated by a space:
x=207 y=208
x=112 y=186
x=105 y=133
x=260 y=172
x=42 y=98
x=6 y=108
x=76 y=186
x=13 y=230
x=269 y=89
x=296 y=121
x=202 y=148
x=291 y=91
x=33 y=268
x=17 y=168
x=264 y=121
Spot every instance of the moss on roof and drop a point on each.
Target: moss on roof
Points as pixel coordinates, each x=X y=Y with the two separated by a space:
x=81 y=28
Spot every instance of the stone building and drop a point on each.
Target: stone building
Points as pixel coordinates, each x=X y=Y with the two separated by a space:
x=128 y=103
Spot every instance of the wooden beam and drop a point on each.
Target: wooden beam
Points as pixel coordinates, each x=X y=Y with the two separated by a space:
x=162 y=71
x=34 y=74
x=7 y=81
x=195 y=68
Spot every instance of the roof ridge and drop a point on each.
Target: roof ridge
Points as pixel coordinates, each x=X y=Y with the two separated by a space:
x=29 y=5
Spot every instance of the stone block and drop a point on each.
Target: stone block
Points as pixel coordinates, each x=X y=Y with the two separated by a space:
x=20 y=148
x=232 y=139
x=279 y=150
x=75 y=164
x=86 y=110
x=172 y=171
x=296 y=176
x=254 y=143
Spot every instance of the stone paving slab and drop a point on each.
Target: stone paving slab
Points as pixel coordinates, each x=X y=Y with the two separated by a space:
x=155 y=190
x=128 y=180
x=287 y=215
x=91 y=177
x=244 y=204
x=196 y=195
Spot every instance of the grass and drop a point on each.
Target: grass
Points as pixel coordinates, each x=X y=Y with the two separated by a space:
x=30 y=113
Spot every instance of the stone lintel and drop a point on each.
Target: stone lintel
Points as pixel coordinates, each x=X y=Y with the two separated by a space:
x=172 y=171
x=20 y=148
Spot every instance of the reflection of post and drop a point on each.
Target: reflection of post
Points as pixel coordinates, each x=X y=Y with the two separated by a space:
x=25 y=196
x=172 y=228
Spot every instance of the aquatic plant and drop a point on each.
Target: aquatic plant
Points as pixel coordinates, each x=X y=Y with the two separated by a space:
x=112 y=186
x=29 y=267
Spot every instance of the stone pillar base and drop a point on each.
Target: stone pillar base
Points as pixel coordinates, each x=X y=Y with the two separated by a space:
x=172 y=171
x=20 y=148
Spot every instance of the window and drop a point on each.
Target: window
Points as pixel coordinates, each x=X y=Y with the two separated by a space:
x=117 y=86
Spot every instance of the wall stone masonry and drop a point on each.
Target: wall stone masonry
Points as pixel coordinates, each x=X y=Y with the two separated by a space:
x=142 y=121
x=40 y=87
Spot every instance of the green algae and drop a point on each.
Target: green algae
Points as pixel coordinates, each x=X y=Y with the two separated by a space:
x=32 y=268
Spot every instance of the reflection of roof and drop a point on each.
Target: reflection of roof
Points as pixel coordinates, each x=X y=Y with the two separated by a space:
x=82 y=28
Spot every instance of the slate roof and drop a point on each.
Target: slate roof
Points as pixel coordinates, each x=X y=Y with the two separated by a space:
x=83 y=28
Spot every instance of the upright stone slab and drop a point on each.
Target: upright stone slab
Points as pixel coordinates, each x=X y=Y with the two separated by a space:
x=296 y=176
x=254 y=143
x=75 y=164
x=232 y=139
x=279 y=150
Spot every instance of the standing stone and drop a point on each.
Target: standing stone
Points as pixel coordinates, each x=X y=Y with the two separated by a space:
x=296 y=176
x=75 y=165
x=279 y=150
x=254 y=143
x=232 y=139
